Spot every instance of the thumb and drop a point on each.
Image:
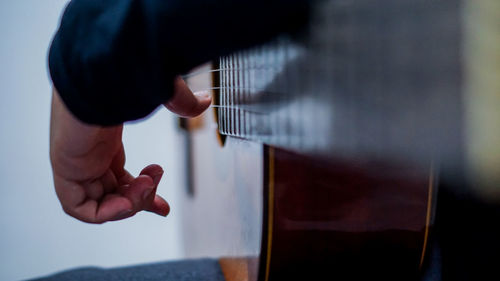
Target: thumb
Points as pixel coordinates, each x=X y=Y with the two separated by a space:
x=185 y=103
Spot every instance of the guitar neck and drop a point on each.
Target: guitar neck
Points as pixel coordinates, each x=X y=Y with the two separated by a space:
x=364 y=79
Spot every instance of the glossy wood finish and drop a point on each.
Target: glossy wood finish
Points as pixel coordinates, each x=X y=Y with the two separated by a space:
x=344 y=219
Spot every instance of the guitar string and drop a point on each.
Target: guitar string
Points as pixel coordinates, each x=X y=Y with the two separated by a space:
x=233 y=88
x=236 y=107
x=303 y=68
x=196 y=73
x=231 y=71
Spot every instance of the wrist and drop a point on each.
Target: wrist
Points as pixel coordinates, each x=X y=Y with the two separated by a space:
x=76 y=146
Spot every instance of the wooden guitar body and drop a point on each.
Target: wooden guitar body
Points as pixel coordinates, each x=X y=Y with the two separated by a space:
x=343 y=220
x=319 y=161
x=273 y=214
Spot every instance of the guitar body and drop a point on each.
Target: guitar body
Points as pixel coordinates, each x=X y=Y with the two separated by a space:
x=317 y=161
x=343 y=220
x=273 y=214
x=223 y=216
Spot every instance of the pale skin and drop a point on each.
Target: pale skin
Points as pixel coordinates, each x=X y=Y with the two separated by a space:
x=88 y=164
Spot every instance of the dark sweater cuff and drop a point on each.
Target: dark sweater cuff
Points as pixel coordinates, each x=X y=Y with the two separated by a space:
x=107 y=111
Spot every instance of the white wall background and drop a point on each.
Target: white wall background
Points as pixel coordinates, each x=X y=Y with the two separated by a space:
x=36 y=237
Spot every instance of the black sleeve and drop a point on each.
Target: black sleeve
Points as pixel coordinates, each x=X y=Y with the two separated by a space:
x=115 y=60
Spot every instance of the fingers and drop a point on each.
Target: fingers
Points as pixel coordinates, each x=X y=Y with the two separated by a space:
x=104 y=200
x=142 y=191
x=155 y=203
x=87 y=202
x=112 y=207
x=185 y=103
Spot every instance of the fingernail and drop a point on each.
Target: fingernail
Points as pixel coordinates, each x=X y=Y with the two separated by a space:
x=203 y=94
x=123 y=214
x=146 y=193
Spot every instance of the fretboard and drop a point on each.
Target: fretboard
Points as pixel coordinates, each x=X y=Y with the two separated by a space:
x=376 y=79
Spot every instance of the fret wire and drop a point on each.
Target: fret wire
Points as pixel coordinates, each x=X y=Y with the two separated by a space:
x=251 y=85
x=231 y=82
x=235 y=93
x=228 y=96
x=219 y=99
x=233 y=111
x=241 y=98
x=234 y=73
x=231 y=95
x=243 y=95
x=238 y=96
x=235 y=100
x=223 y=93
x=226 y=119
x=224 y=96
x=239 y=108
x=226 y=110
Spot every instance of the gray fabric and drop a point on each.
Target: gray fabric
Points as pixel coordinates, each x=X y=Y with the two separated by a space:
x=187 y=270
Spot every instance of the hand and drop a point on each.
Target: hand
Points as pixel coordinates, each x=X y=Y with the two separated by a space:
x=88 y=164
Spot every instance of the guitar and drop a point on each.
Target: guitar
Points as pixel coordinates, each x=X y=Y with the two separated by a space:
x=320 y=159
